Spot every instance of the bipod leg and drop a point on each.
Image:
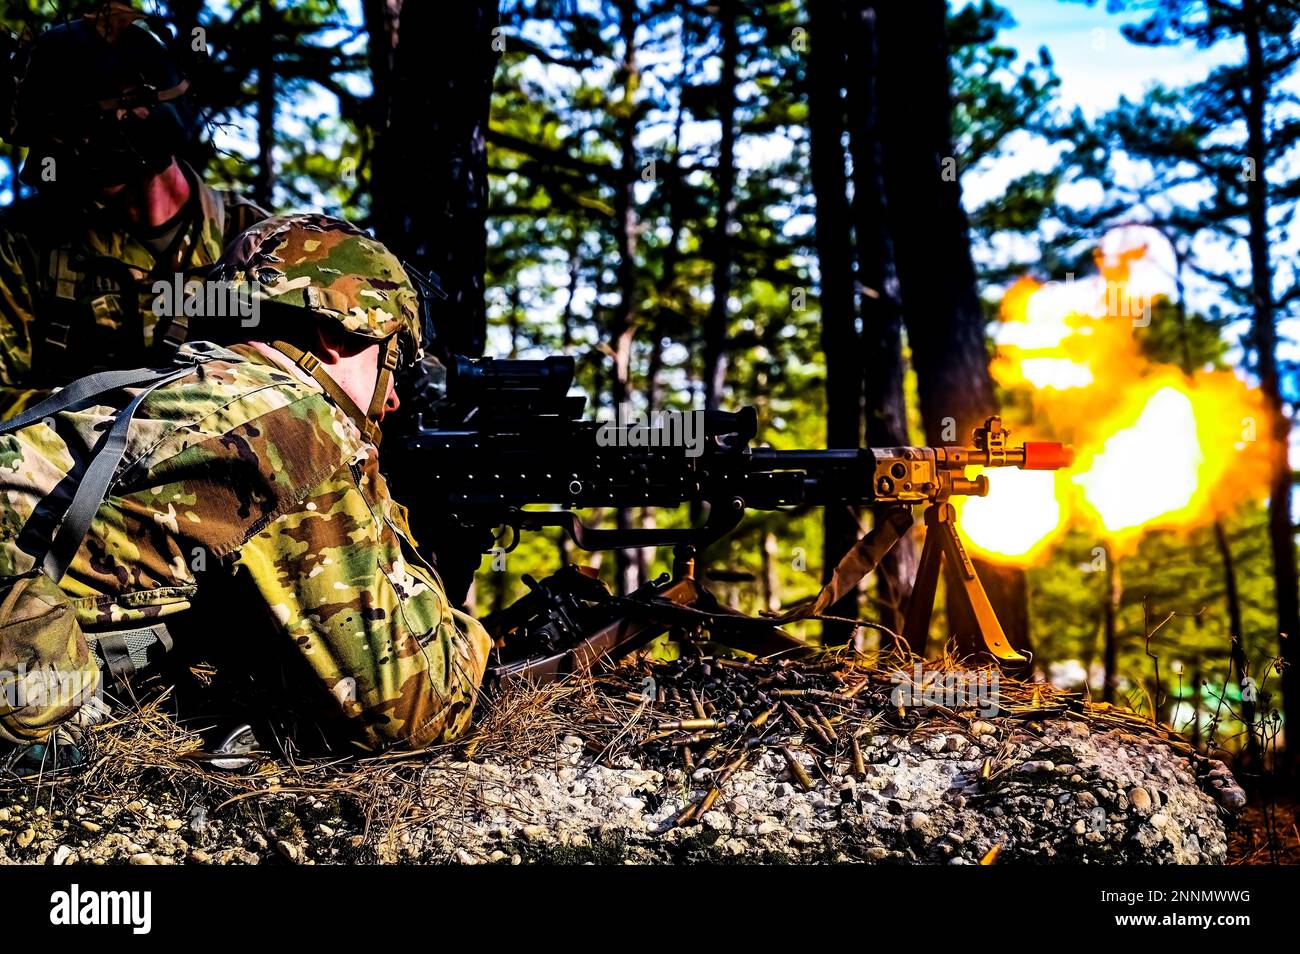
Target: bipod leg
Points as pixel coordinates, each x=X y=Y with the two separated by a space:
x=964 y=585
x=920 y=607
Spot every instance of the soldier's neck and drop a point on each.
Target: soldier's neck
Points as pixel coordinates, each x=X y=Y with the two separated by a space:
x=159 y=198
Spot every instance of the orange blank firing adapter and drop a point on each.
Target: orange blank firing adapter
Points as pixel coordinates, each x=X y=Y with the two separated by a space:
x=1047 y=455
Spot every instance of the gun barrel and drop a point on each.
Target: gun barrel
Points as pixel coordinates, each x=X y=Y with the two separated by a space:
x=1047 y=455
x=1031 y=455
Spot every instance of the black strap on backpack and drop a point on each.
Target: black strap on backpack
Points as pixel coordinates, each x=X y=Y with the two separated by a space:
x=95 y=483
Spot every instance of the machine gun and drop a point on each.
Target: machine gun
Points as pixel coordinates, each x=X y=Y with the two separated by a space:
x=506 y=435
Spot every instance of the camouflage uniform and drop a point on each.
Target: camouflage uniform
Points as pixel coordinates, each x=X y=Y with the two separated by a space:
x=76 y=288
x=262 y=472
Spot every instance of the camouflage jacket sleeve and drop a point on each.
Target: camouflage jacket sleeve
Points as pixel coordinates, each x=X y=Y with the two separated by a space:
x=18 y=260
x=368 y=614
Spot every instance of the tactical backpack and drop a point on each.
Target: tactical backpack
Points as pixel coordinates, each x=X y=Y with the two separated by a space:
x=50 y=667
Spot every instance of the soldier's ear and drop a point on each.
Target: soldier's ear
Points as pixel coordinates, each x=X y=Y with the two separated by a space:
x=331 y=346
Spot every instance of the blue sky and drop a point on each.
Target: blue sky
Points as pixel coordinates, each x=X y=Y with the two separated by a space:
x=1096 y=64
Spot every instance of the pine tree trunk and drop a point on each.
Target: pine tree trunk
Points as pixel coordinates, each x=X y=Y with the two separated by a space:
x=771 y=578
x=877 y=288
x=625 y=238
x=566 y=316
x=382 y=18
x=429 y=179
x=1280 y=532
x=715 y=327
x=264 y=181
x=936 y=275
x=1110 y=629
x=839 y=338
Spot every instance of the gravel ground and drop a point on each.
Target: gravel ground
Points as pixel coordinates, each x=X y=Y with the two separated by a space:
x=1054 y=792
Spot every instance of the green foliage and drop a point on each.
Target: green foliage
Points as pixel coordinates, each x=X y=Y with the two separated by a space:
x=1170 y=573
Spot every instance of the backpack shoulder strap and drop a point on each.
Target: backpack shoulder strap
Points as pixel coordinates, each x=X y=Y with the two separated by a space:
x=95 y=482
x=81 y=390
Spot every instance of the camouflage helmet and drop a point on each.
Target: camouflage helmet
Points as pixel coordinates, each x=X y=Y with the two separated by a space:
x=328 y=270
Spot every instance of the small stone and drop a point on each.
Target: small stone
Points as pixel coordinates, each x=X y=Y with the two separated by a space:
x=738 y=805
x=633 y=804
x=716 y=820
x=917 y=820
x=289 y=850
x=143 y=858
x=1159 y=820
x=1140 y=799
x=801 y=839
x=5 y=815
x=1037 y=766
x=325 y=831
x=200 y=857
x=92 y=826
x=1231 y=798
x=980 y=727
x=465 y=858
x=61 y=855
x=767 y=828
x=497 y=856
x=533 y=832
x=26 y=838
x=173 y=824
